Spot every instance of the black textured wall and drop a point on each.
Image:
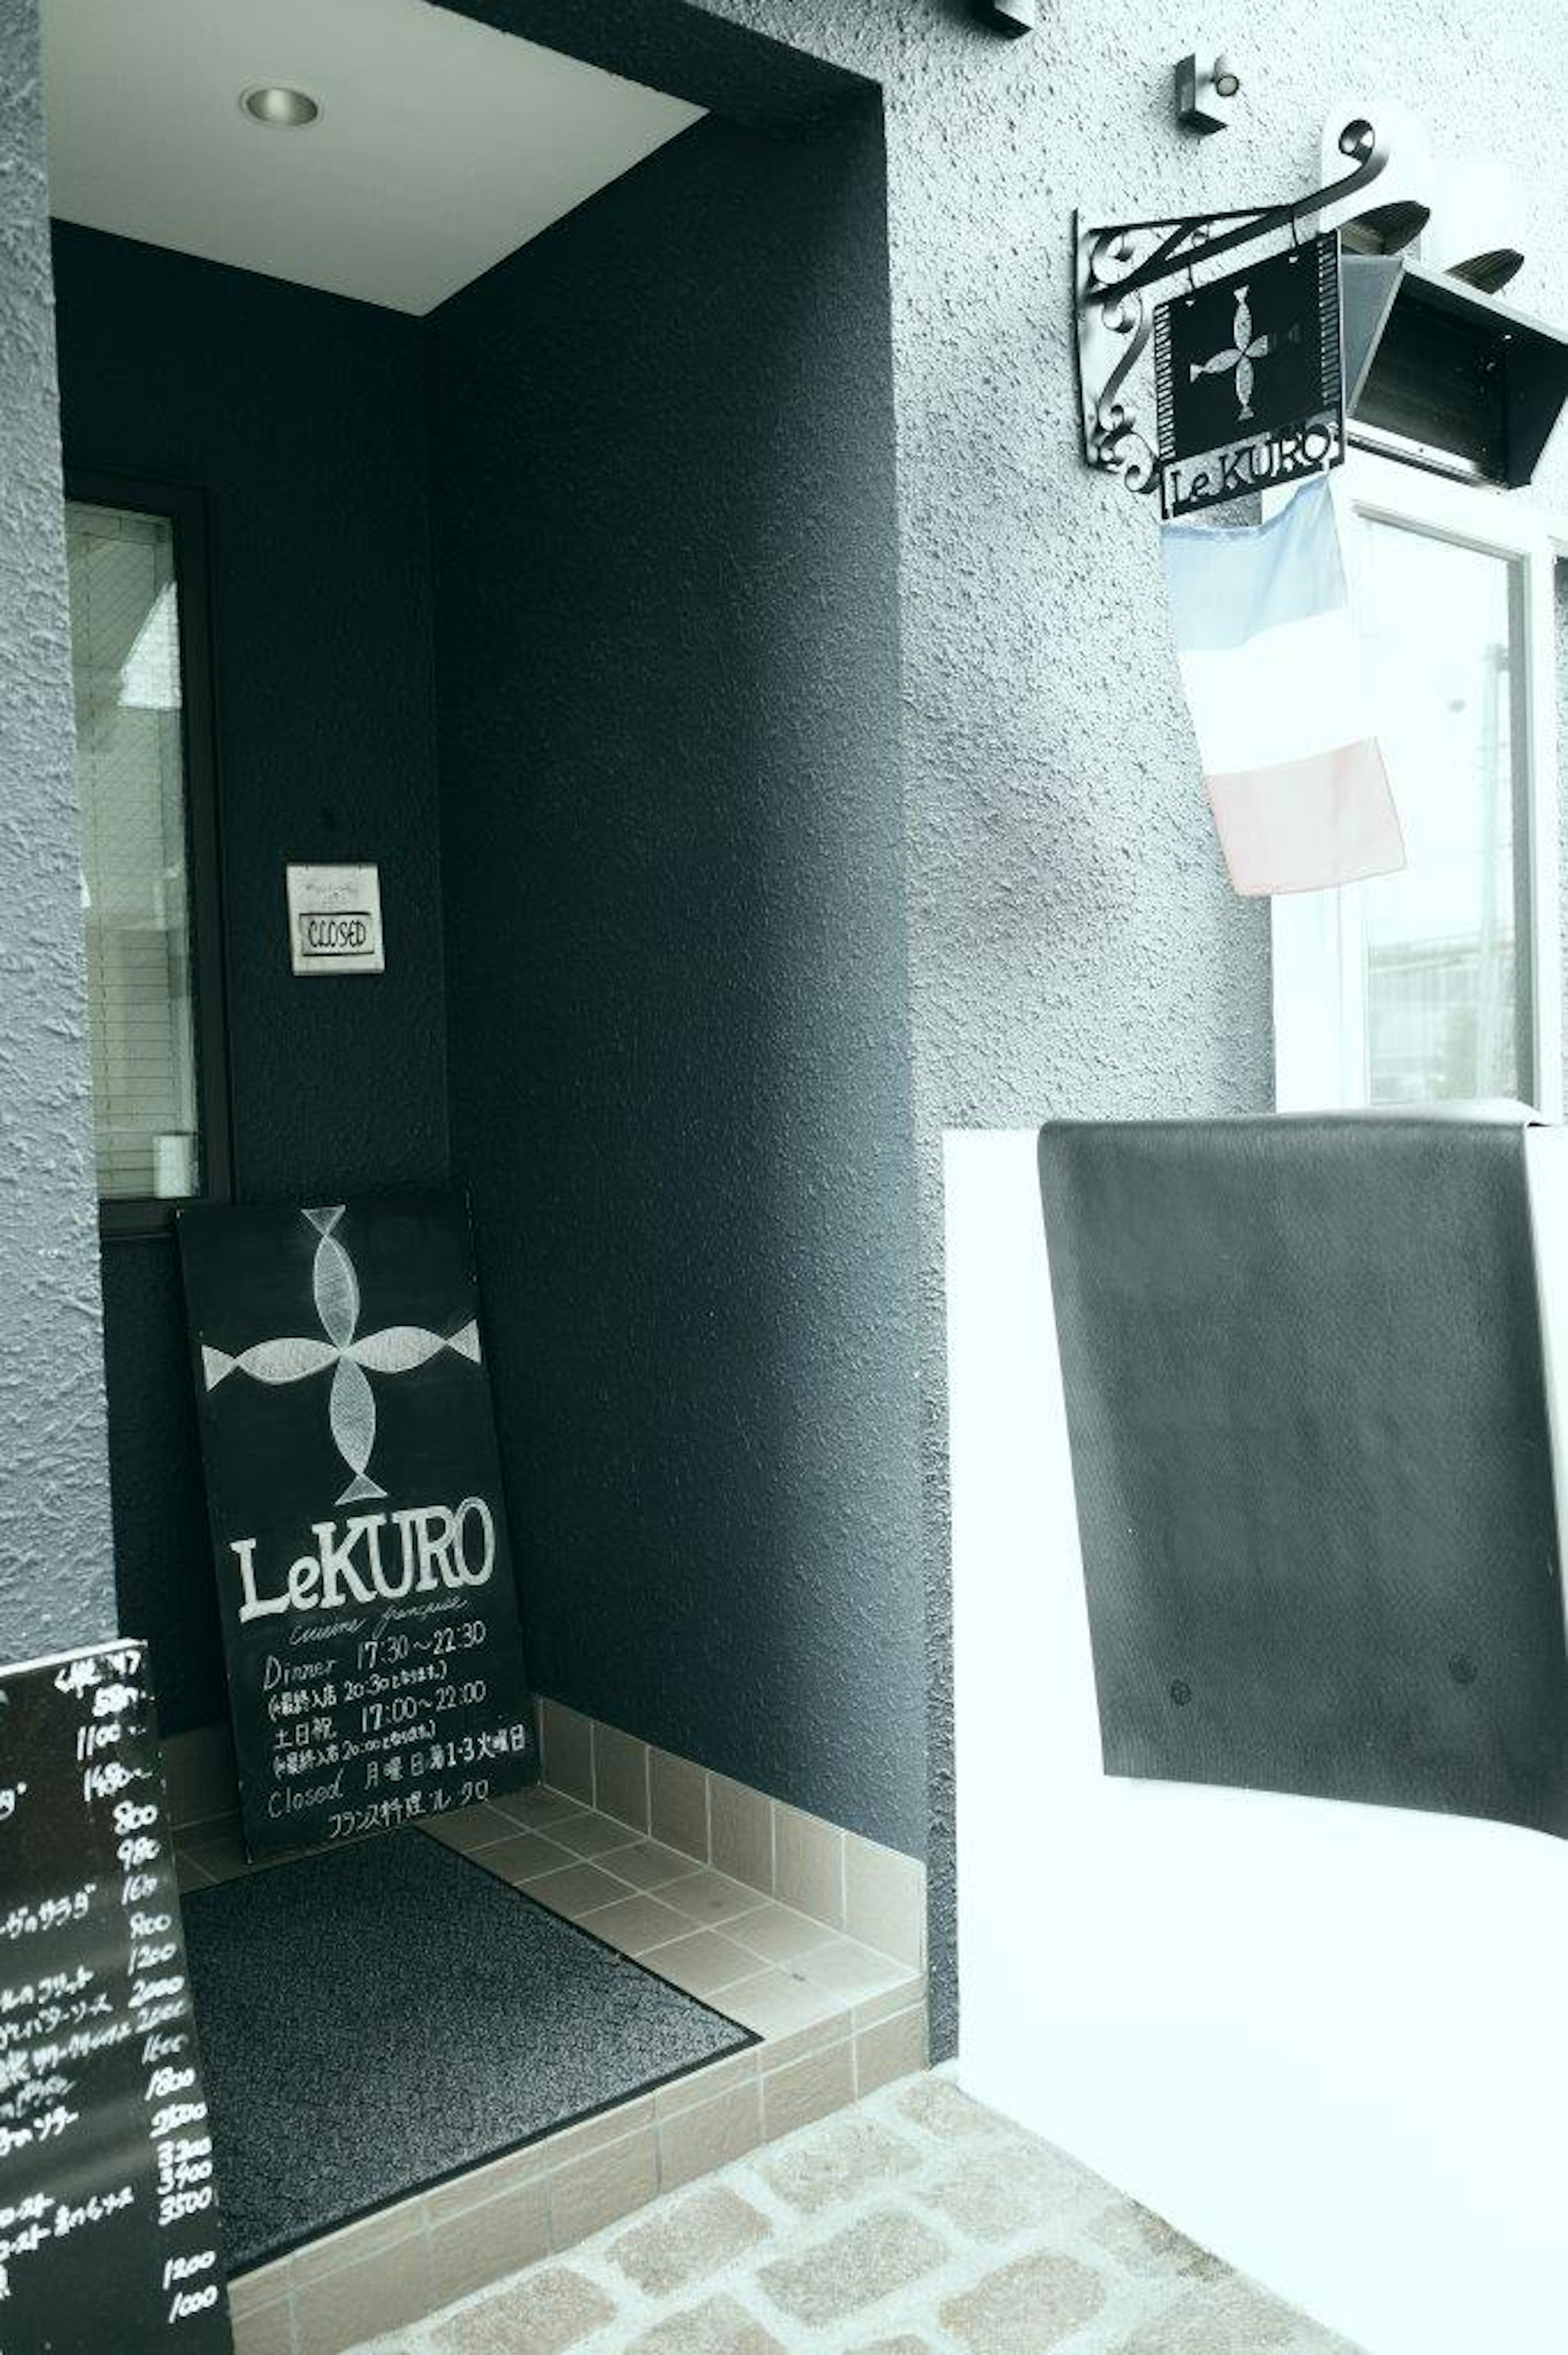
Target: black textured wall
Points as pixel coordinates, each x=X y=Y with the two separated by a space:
x=663 y=483
x=56 y=1585
x=302 y=417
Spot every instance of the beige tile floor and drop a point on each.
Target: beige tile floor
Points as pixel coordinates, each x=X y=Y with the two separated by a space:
x=758 y=1961
x=914 y=2223
x=836 y=2018
x=776 y=1969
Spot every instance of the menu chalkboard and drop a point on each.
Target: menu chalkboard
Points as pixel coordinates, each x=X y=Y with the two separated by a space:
x=108 y=2214
x=363 y=1575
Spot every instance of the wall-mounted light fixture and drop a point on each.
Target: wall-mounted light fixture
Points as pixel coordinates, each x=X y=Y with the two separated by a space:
x=1469 y=212
x=1008 y=16
x=280 y=107
x=1206 y=92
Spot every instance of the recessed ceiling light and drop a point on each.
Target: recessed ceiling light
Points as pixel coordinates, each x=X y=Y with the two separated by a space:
x=280 y=107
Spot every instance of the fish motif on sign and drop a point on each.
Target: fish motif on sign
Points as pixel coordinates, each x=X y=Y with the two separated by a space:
x=1242 y=353
x=352 y=1356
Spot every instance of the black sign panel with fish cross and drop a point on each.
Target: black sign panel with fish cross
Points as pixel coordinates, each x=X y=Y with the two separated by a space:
x=365 y=1579
x=1250 y=379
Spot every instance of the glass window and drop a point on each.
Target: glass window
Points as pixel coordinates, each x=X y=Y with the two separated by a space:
x=126 y=668
x=1442 y=946
x=1442 y=981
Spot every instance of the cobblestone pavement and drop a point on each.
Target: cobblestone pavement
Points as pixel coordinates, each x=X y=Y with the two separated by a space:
x=915 y=2223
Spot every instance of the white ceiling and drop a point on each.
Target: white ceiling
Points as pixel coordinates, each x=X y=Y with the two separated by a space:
x=442 y=144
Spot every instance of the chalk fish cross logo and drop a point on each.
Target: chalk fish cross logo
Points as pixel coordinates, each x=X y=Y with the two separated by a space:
x=351 y=1407
x=1242 y=353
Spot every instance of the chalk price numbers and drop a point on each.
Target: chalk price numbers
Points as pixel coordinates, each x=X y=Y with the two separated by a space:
x=108 y=2205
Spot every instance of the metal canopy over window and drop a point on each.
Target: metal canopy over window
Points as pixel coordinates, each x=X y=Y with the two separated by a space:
x=1458 y=378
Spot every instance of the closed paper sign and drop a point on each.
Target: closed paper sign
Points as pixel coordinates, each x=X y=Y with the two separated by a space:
x=365 y=1579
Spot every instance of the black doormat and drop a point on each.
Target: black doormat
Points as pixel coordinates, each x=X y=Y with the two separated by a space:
x=375 y=2018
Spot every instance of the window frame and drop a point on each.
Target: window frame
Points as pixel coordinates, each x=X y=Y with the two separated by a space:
x=184 y=507
x=1309 y=944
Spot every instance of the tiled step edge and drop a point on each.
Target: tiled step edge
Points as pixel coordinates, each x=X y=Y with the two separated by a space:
x=408 y=2261
x=870 y=1892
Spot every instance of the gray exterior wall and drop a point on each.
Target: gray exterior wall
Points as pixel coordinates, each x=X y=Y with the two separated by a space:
x=57 y=1563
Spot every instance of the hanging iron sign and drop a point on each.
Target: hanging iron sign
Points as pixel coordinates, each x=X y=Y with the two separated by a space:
x=1249 y=378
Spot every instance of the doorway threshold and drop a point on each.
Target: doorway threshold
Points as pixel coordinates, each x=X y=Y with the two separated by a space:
x=831 y=2016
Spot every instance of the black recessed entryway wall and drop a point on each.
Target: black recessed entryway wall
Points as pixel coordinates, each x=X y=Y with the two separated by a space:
x=300 y=418
x=600 y=558
x=666 y=597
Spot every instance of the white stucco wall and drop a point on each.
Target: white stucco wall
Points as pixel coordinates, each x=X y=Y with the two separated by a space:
x=1324 y=2039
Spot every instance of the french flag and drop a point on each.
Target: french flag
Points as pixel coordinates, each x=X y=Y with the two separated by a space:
x=1272 y=668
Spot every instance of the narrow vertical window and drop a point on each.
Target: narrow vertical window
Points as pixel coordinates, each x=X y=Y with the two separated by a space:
x=155 y=1062
x=1444 y=947
x=1444 y=981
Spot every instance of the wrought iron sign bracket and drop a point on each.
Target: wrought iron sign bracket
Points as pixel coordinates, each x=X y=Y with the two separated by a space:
x=1121 y=265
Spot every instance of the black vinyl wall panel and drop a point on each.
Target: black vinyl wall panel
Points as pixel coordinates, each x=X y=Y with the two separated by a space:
x=1306 y=1399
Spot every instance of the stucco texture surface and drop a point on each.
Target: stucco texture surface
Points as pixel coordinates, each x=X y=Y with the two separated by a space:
x=56 y=1572
x=1074 y=948
x=662 y=445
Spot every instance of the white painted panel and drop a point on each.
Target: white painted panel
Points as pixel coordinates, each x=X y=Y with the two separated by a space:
x=1326 y=2040
x=443 y=145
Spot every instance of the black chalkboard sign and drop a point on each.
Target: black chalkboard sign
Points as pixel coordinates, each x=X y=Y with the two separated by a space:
x=108 y=2214
x=364 y=1574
